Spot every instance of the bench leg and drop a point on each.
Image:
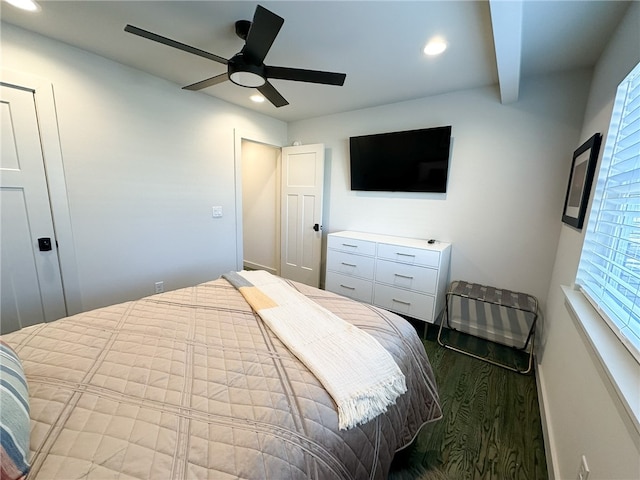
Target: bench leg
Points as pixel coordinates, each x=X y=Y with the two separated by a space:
x=442 y=343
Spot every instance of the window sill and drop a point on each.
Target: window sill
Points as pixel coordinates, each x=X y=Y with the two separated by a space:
x=620 y=366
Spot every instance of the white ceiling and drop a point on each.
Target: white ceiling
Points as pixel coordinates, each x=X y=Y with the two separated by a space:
x=377 y=44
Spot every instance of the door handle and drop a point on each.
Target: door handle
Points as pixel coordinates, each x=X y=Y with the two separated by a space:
x=317 y=227
x=44 y=244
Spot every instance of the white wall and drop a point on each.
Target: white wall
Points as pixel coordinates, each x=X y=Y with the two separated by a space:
x=585 y=415
x=507 y=180
x=144 y=163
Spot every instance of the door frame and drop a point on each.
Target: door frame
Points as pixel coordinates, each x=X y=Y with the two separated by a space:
x=240 y=134
x=54 y=169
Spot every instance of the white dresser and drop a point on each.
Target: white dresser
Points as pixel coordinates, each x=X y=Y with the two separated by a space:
x=404 y=275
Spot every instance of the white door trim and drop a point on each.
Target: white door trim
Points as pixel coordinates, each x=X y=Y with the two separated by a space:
x=54 y=168
x=259 y=137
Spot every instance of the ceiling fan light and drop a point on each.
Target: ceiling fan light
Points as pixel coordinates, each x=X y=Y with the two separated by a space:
x=245 y=74
x=247 y=79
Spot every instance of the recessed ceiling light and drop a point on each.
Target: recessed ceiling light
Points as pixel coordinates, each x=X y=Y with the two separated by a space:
x=257 y=98
x=28 y=5
x=435 y=47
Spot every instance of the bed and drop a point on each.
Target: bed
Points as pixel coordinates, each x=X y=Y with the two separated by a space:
x=192 y=384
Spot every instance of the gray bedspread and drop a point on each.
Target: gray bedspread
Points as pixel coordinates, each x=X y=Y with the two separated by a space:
x=191 y=384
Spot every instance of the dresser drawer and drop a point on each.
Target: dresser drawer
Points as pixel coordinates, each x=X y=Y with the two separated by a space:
x=414 y=256
x=352 y=287
x=350 y=264
x=405 y=302
x=351 y=245
x=412 y=277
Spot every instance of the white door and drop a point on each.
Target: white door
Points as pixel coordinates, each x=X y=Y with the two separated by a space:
x=301 y=217
x=30 y=281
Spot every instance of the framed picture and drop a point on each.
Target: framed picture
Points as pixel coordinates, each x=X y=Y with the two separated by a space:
x=583 y=169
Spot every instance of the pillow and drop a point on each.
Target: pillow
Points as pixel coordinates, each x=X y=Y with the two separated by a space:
x=14 y=416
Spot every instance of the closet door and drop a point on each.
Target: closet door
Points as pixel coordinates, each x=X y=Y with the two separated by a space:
x=30 y=282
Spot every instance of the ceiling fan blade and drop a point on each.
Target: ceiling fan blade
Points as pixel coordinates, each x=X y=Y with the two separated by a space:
x=272 y=95
x=223 y=77
x=301 y=75
x=264 y=29
x=172 y=43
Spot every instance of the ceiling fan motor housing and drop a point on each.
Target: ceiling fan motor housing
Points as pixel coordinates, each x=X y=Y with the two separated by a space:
x=244 y=73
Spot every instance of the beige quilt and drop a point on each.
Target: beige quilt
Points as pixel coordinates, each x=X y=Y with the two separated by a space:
x=192 y=384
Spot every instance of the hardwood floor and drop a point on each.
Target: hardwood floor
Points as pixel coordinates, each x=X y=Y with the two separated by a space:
x=491 y=427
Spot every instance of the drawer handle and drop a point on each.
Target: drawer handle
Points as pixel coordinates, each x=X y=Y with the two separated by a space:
x=400 y=301
x=349 y=245
x=405 y=254
x=347 y=287
x=403 y=276
x=349 y=264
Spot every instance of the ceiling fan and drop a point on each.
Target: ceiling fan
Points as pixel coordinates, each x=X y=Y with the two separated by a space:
x=246 y=68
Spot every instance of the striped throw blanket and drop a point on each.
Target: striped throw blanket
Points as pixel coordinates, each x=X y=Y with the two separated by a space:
x=359 y=374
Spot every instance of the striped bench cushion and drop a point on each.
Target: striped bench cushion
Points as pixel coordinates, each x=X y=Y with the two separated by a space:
x=491 y=313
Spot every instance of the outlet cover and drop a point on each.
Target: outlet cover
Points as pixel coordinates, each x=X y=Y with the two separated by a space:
x=159 y=287
x=217 y=212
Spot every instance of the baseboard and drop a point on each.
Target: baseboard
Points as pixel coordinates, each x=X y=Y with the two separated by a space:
x=256 y=266
x=545 y=419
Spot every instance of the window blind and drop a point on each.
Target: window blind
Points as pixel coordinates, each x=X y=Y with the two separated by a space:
x=609 y=269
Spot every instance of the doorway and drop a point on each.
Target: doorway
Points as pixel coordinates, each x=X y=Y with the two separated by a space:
x=282 y=223
x=260 y=207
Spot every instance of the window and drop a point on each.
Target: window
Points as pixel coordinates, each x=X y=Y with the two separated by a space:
x=609 y=269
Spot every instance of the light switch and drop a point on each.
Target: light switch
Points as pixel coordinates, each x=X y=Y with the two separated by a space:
x=217 y=212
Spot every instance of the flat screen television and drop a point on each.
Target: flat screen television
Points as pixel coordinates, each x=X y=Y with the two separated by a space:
x=409 y=161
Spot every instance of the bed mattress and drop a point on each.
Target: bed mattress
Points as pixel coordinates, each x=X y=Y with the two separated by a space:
x=192 y=384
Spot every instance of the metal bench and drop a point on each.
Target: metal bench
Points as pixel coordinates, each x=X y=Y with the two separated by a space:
x=498 y=315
